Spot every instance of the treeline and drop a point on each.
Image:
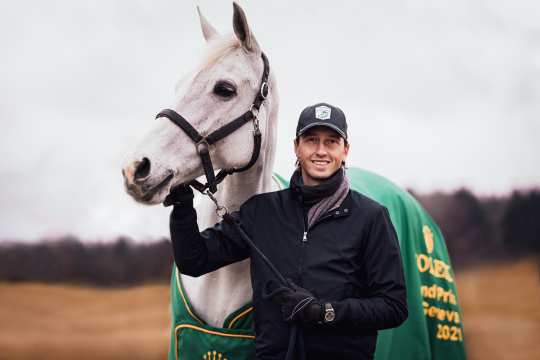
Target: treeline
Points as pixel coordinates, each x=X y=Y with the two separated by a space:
x=476 y=229
x=480 y=229
x=119 y=263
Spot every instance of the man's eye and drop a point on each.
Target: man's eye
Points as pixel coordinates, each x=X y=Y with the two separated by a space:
x=224 y=89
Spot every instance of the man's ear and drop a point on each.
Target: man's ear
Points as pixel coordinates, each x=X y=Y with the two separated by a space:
x=296 y=142
x=347 y=147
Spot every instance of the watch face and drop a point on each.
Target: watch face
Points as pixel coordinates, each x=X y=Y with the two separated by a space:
x=329 y=316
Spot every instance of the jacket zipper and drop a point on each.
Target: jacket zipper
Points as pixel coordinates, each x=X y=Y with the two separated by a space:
x=304 y=223
x=303 y=242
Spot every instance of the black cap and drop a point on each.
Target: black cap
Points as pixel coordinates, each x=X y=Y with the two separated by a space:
x=322 y=114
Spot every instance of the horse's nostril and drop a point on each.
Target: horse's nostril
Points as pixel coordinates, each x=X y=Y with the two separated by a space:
x=143 y=169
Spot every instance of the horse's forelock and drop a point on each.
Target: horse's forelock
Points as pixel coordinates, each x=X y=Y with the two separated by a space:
x=217 y=48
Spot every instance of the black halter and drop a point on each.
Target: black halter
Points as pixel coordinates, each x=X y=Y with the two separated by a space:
x=202 y=143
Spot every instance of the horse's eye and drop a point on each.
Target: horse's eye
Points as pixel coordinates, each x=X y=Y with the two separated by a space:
x=224 y=89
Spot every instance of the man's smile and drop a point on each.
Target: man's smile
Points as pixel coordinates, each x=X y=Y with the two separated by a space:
x=321 y=162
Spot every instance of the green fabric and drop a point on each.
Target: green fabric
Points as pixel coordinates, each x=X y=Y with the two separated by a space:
x=192 y=338
x=434 y=328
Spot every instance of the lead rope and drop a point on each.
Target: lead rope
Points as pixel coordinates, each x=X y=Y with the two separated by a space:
x=295 y=336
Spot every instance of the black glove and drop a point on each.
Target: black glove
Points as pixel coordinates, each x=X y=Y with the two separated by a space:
x=298 y=304
x=179 y=195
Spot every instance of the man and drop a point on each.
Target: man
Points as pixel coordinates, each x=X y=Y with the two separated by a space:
x=337 y=248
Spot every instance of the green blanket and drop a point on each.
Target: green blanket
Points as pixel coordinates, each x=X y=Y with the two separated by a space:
x=192 y=338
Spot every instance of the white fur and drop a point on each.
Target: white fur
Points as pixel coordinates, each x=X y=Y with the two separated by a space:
x=215 y=295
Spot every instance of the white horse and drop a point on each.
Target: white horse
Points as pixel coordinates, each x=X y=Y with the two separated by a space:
x=219 y=90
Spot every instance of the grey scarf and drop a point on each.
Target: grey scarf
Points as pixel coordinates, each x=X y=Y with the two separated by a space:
x=329 y=203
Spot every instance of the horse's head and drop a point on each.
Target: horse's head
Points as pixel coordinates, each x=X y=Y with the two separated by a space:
x=222 y=88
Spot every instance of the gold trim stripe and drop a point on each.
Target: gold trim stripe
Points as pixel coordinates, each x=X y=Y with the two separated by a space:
x=188 y=308
x=237 y=317
x=212 y=332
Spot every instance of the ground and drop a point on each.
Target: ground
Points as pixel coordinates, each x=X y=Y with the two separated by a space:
x=501 y=310
x=501 y=314
x=66 y=322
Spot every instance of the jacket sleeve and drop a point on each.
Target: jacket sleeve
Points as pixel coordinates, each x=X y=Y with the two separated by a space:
x=197 y=253
x=386 y=305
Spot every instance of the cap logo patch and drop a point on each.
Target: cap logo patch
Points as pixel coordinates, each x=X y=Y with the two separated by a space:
x=323 y=112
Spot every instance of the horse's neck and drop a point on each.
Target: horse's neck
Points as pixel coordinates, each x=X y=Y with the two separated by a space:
x=216 y=295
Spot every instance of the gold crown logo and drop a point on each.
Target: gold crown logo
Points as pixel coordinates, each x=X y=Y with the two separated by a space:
x=428 y=238
x=213 y=355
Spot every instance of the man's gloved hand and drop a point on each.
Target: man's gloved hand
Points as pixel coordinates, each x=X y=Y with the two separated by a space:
x=299 y=304
x=179 y=195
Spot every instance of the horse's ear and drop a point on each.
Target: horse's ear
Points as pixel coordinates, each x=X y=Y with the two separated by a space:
x=242 y=31
x=209 y=32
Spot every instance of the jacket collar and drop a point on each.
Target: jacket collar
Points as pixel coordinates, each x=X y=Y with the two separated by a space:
x=345 y=208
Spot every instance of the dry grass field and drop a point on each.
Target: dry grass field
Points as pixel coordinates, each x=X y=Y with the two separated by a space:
x=500 y=311
x=68 y=322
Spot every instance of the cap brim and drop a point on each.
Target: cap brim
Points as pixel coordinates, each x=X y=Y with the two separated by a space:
x=331 y=126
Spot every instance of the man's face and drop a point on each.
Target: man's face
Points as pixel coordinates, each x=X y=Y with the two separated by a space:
x=320 y=152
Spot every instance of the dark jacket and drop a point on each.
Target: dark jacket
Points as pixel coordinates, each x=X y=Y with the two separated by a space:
x=350 y=258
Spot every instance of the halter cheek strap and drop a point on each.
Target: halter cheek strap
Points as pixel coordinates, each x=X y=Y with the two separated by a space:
x=202 y=143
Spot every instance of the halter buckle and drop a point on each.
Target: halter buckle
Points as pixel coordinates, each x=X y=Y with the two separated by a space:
x=256 y=129
x=264 y=90
x=254 y=111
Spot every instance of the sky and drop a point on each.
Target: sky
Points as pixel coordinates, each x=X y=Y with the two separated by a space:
x=438 y=96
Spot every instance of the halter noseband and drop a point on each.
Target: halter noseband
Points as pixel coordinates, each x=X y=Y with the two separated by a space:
x=202 y=143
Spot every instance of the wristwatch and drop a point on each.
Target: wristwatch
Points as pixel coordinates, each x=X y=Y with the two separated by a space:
x=329 y=314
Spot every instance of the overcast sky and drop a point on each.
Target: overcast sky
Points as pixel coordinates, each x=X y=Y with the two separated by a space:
x=438 y=95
